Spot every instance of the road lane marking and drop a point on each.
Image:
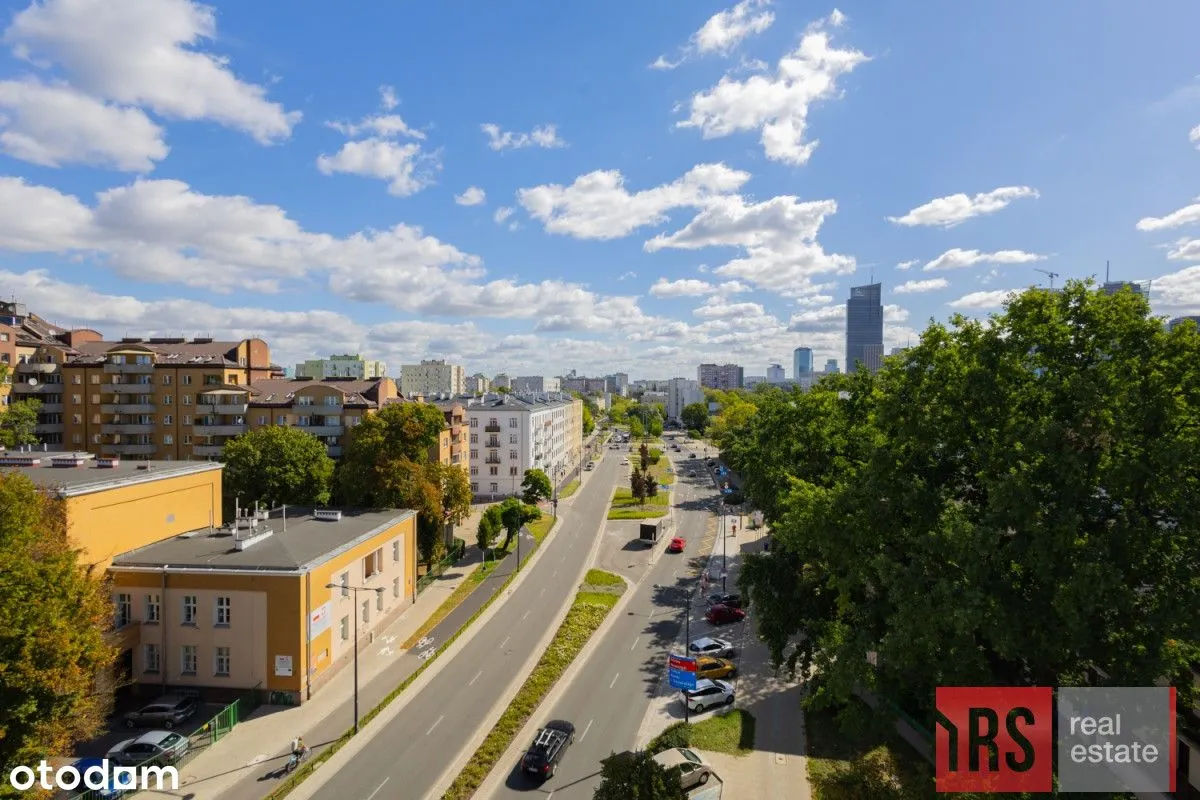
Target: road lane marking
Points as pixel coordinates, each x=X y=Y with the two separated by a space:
x=636 y=639
x=542 y=592
x=585 y=730
x=554 y=574
x=523 y=616
x=434 y=725
x=477 y=674
x=506 y=638
x=614 y=680
x=377 y=788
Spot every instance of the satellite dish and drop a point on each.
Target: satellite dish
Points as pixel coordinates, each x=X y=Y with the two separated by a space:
x=32 y=381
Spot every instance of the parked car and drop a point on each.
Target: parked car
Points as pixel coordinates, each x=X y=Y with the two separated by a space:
x=165 y=712
x=691 y=473
x=723 y=615
x=692 y=770
x=115 y=784
x=691 y=455
x=731 y=600
x=708 y=694
x=709 y=646
x=677 y=544
x=159 y=747
x=624 y=462
x=714 y=668
x=551 y=742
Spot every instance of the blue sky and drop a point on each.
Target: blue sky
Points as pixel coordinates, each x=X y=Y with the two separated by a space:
x=665 y=183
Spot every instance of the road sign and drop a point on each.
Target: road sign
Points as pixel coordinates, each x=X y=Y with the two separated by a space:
x=682 y=672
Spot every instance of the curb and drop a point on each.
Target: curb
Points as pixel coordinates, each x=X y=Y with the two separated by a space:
x=505 y=698
x=504 y=765
x=345 y=756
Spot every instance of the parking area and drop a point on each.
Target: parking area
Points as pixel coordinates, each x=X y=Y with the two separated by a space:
x=117 y=732
x=711 y=791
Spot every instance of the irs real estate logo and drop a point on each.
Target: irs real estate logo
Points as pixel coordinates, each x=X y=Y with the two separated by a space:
x=997 y=739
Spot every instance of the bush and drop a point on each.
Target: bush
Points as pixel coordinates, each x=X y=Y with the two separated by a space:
x=870 y=777
x=677 y=735
x=734 y=499
x=694 y=434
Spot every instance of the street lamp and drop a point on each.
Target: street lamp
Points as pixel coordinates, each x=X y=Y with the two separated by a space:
x=356 y=589
x=687 y=638
x=724 y=557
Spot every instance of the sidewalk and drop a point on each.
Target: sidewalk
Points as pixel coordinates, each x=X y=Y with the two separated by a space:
x=245 y=764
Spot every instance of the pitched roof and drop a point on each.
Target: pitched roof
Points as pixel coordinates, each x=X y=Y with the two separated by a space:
x=282 y=391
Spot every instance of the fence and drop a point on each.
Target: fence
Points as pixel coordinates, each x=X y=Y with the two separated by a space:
x=436 y=570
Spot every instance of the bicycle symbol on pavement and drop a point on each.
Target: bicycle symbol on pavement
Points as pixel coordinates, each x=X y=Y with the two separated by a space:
x=425 y=642
x=425 y=655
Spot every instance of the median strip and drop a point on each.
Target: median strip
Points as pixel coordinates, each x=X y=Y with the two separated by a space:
x=589 y=609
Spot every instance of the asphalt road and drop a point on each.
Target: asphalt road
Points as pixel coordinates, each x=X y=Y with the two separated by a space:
x=408 y=756
x=609 y=696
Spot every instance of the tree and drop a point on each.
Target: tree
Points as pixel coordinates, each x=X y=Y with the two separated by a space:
x=536 y=486
x=694 y=416
x=644 y=454
x=589 y=420
x=637 y=776
x=656 y=426
x=18 y=423
x=53 y=618
x=636 y=430
x=276 y=465
x=455 y=493
x=1037 y=467
x=514 y=514
x=490 y=526
x=503 y=390
x=637 y=484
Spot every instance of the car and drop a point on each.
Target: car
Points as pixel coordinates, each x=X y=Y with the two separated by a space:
x=677 y=544
x=714 y=668
x=708 y=694
x=159 y=747
x=723 y=615
x=731 y=600
x=691 y=473
x=624 y=462
x=692 y=770
x=691 y=455
x=115 y=783
x=590 y=466
x=709 y=646
x=165 y=712
x=551 y=742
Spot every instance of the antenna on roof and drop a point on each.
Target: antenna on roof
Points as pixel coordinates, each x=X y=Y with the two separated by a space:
x=1106 y=271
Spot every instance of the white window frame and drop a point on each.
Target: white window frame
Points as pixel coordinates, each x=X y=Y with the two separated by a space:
x=153 y=609
x=222 y=654
x=186 y=651
x=190 y=607
x=223 y=610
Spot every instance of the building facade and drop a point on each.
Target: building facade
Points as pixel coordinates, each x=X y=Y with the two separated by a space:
x=802 y=362
x=535 y=384
x=617 y=383
x=776 y=374
x=721 y=376
x=1180 y=320
x=864 y=327
x=477 y=384
x=345 y=366
x=327 y=409
x=681 y=392
x=432 y=377
x=500 y=381
x=831 y=367
x=584 y=385
x=510 y=433
x=454 y=442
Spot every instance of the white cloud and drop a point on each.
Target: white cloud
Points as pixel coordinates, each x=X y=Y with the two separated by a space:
x=980 y=301
x=662 y=63
x=1188 y=215
x=1178 y=293
x=405 y=167
x=472 y=196
x=916 y=287
x=955 y=209
x=719 y=308
x=684 y=287
x=778 y=237
x=502 y=214
x=55 y=125
x=1185 y=250
x=387 y=126
x=387 y=98
x=624 y=276
x=837 y=19
x=778 y=105
x=545 y=136
x=1195 y=136
x=144 y=53
x=957 y=258
x=723 y=32
x=598 y=206
x=908 y=264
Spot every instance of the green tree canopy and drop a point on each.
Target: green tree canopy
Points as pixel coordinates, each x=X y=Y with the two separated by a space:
x=276 y=465
x=589 y=420
x=490 y=525
x=694 y=416
x=514 y=514
x=1011 y=503
x=636 y=429
x=637 y=776
x=53 y=619
x=18 y=423
x=536 y=486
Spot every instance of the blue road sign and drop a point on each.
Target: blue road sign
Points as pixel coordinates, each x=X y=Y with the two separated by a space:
x=682 y=672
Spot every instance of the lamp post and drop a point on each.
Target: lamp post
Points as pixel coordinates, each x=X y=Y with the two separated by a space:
x=724 y=557
x=356 y=589
x=687 y=637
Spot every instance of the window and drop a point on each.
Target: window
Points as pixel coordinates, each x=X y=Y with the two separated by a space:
x=152 y=658
x=512 y=455
x=124 y=610
x=224 y=609
x=366 y=611
x=345 y=581
x=187 y=380
x=396 y=551
x=373 y=564
x=474 y=470
x=95 y=419
x=279 y=420
x=96 y=438
x=474 y=454
x=188 y=659
x=189 y=609
x=333 y=400
x=474 y=438
x=187 y=439
x=495 y=488
x=512 y=438
x=379 y=601
x=474 y=422
x=395 y=587
x=221 y=662
x=95 y=399
x=168 y=439
x=168 y=399
x=512 y=470
x=186 y=419
x=474 y=486
x=153 y=609
x=76 y=438
x=76 y=399
x=76 y=380
x=512 y=422
x=77 y=419
x=168 y=420
x=493 y=470
x=187 y=399
x=167 y=380
x=345 y=628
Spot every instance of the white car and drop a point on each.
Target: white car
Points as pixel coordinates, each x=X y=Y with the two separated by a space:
x=708 y=646
x=708 y=694
x=624 y=462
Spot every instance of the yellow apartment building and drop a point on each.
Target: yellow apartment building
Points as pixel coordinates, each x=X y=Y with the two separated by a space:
x=247 y=606
x=453 y=444
x=8 y=360
x=328 y=409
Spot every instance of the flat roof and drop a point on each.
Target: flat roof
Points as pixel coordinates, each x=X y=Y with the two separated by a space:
x=293 y=540
x=74 y=474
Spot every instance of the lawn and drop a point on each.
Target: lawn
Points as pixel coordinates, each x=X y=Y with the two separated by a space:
x=731 y=733
x=540 y=527
x=568 y=490
x=460 y=593
x=585 y=616
x=661 y=470
x=626 y=506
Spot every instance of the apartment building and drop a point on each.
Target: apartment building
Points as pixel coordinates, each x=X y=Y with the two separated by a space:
x=720 y=376
x=584 y=385
x=501 y=381
x=8 y=360
x=454 y=442
x=223 y=609
x=535 y=384
x=681 y=392
x=617 y=383
x=776 y=373
x=344 y=366
x=477 y=384
x=328 y=409
x=510 y=433
x=434 y=377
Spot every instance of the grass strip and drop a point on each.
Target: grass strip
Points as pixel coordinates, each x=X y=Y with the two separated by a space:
x=306 y=769
x=586 y=614
x=731 y=733
x=626 y=506
x=568 y=490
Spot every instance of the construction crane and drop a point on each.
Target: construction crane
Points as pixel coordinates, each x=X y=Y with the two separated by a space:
x=1052 y=275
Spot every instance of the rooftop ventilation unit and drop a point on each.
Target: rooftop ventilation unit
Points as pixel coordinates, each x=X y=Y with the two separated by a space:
x=108 y=463
x=70 y=460
x=328 y=514
x=19 y=460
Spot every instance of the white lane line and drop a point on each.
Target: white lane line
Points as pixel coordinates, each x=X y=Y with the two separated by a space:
x=585 y=730
x=477 y=674
x=506 y=638
x=523 y=616
x=635 y=641
x=434 y=725
x=377 y=788
x=614 y=680
x=542 y=592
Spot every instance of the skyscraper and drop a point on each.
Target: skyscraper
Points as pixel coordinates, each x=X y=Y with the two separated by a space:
x=776 y=374
x=802 y=362
x=864 y=327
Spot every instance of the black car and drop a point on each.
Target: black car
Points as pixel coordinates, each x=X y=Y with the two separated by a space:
x=165 y=712
x=551 y=742
x=730 y=600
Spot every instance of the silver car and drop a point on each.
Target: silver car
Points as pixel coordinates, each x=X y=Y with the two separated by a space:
x=692 y=770
x=165 y=712
x=158 y=747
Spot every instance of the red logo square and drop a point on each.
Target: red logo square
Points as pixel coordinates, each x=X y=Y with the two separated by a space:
x=995 y=739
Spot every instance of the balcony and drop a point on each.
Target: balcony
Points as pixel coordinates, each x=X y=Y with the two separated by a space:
x=493 y=443
x=43 y=428
x=208 y=450
x=129 y=369
x=35 y=368
x=492 y=459
x=493 y=428
x=334 y=450
x=132 y=449
x=128 y=408
x=323 y=430
x=218 y=430
x=127 y=428
x=127 y=388
x=233 y=409
x=51 y=408
x=19 y=386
